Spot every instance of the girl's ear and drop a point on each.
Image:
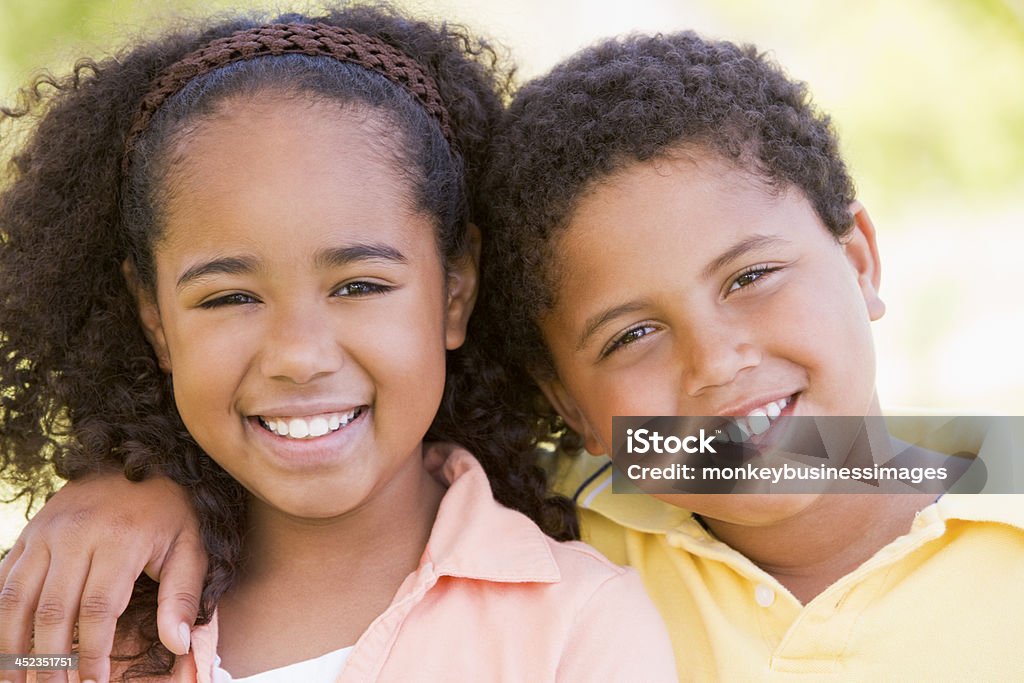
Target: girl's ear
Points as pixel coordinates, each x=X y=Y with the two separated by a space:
x=149 y=315
x=862 y=252
x=463 y=278
x=564 y=404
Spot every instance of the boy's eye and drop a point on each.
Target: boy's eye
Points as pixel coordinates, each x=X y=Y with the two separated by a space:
x=626 y=338
x=233 y=299
x=751 y=276
x=361 y=288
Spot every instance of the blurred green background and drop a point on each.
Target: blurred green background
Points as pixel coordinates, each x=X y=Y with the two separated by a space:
x=927 y=96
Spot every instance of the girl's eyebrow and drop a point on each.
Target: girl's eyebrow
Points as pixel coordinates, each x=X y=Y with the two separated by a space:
x=340 y=256
x=599 y=320
x=325 y=258
x=229 y=265
x=739 y=249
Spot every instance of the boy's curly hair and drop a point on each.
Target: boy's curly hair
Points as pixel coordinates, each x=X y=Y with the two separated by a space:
x=620 y=102
x=80 y=387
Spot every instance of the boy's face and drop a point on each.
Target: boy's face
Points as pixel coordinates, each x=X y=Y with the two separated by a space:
x=688 y=287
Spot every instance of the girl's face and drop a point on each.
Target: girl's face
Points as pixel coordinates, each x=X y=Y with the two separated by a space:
x=692 y=289
x=301 y=306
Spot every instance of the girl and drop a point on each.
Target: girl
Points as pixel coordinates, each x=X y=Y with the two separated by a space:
x=241 y=256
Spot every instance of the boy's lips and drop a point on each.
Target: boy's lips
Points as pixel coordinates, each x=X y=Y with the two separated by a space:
x=755 y=425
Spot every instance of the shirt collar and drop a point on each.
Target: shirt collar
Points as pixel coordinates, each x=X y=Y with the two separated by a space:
x=1000 y=508
x=476 y=537
x=588 y=481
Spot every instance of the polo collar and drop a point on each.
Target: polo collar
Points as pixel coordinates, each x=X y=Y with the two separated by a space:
x=476 y=537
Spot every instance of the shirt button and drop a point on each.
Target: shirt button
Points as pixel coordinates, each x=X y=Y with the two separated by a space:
x=764 y=595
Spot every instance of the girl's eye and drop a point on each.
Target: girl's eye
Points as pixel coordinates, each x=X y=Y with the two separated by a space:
x=361 y=288
x=626 y=338
x=234 y=299
x=752 y=276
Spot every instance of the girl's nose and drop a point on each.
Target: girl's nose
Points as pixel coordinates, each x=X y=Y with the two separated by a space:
x=301 y=346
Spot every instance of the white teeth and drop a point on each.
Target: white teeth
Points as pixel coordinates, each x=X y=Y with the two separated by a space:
x=757 y=421
x=309 y=428
x=298 y=428
x=318 y=426
x=737 y=433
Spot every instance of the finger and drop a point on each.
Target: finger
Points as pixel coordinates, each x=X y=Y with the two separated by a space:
x=57 y=610
x=105 y=596
x=18 y=599
x=6 y=565
x=182 y=574
x=8 y=560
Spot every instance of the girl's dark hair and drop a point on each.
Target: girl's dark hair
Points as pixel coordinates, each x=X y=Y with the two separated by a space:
x=620 y=102
x=80 y=387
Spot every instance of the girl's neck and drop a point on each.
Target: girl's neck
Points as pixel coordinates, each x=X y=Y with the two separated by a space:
x=832 y=537
x=396 y=521
x=308 y=587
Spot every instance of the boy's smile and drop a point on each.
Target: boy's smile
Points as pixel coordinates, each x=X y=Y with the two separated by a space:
x=686 y=286
x=301 y=305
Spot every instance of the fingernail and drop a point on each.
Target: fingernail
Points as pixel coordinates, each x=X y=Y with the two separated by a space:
x=186 y=635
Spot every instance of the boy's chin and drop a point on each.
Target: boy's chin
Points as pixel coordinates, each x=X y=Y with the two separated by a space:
x=743 y=509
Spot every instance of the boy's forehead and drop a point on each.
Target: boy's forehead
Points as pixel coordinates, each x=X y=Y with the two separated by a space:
x=678 y=220
x=684 y=192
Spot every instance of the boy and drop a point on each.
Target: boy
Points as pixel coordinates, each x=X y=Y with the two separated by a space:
x=694 y=248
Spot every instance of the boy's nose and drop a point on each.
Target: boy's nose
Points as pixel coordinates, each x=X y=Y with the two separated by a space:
x=715 y=357
x=301 y=346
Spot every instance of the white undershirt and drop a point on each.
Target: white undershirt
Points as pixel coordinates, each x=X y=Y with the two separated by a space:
x=323 y=669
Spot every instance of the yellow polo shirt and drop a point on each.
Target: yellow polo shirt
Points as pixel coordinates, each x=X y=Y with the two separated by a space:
x=943 y=602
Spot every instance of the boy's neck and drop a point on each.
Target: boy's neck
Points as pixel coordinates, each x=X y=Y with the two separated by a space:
x=812 y=550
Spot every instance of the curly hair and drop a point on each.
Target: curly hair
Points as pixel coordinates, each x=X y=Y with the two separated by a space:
x=617 y=103
x=80 y=387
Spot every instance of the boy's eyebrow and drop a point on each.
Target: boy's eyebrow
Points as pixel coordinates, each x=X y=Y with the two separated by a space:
x=739 y=249
x=325 y=258
x=340 y=256
x=597 y=321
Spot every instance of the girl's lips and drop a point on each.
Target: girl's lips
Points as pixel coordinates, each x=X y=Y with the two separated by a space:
x=309 y=427
x=310 y=451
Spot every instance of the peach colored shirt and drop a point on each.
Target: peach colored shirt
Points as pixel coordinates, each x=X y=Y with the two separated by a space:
x=495 y=599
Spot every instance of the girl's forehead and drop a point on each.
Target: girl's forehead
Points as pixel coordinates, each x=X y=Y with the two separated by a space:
x=286 y=173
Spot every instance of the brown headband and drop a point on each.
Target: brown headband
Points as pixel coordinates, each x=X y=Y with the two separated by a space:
x=314 y=40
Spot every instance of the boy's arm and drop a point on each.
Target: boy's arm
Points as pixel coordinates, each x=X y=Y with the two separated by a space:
x=77 y=561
